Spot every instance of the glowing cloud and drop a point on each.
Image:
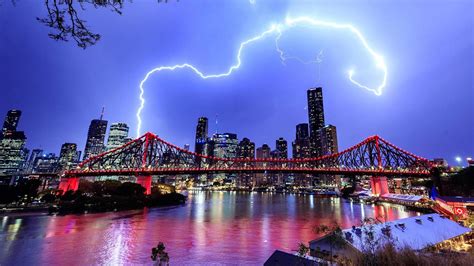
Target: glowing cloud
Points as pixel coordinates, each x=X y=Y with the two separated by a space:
x=277 y=30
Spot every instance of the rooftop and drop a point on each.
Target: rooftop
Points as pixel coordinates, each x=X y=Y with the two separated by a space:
x=416 y=232
x=280 y=258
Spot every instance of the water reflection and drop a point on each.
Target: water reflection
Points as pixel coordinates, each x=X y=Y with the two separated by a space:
x=224 y=227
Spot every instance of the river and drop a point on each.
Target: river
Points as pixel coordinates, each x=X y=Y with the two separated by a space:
x=212 y=228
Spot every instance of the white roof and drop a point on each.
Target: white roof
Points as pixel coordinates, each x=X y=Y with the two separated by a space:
x=416 y=232
x=411 y=198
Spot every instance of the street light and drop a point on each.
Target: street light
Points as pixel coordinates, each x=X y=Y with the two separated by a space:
x=458 y=159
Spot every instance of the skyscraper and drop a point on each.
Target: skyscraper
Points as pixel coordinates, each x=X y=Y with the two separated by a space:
x=13 y=153
x=11 y=121
x=246 y=150
x=281 y=148
x=68 y=156
x=302 y=131
x=95 y=138
x=201 y=135
x=118 y=135
x=263 y=152
x=301 y=147
x=328 y=135
x=316 y=119
x=225 y=145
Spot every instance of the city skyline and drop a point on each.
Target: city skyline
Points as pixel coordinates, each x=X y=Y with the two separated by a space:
x=263 y=104
x=241 y=132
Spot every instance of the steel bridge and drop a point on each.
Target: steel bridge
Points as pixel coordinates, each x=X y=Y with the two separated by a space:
x=150 y=155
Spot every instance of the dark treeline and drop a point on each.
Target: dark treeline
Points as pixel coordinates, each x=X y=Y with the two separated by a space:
x=23 y=193
x=99 y=196
x=112 y=195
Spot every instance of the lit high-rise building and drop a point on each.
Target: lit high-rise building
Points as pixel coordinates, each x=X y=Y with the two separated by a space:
x=68 y=156
x=301 y=146
x=95 y=138
x=281 y=148
x=13 y=153
x=328 y=136
x=11 y=122
x=246 y=150
x=302 y=131
x=263 y=152
x=201 y=135
x=118 y=135
x=225 y=145
x=316 y=119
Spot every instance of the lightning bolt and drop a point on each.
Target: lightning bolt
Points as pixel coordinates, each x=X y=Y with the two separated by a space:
x=277 y=30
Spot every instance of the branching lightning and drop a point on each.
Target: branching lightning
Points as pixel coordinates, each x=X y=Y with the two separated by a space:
x=277 y=30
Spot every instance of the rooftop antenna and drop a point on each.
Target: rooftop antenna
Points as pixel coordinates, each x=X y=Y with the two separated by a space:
x=102 y=113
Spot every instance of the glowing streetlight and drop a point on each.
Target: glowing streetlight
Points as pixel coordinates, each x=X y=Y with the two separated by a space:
x=458 y=159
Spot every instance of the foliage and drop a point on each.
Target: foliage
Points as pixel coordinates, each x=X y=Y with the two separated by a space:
x=112 y=195
x=23 y=192
x=302 y=249
x=63 y=18
x=390 y=256
x=158 y=254
x=460 y=184
x=333 y=233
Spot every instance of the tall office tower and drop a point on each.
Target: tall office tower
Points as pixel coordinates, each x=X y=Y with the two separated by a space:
x=301 y=145
x=95 y=137
x=11 y=122
x=68 y=156
x=246 y=149
x=225 y=145
x=264 y=152
x=13 y=153
x=281 y=148
x=302 y=131
x=328 y=135
x=118 y=135
x=316 y=119
x=201 y=135
x=31 y=163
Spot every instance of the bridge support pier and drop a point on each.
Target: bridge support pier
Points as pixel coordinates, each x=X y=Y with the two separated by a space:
x=68 y=183
x=379 y=185
x=145 y=181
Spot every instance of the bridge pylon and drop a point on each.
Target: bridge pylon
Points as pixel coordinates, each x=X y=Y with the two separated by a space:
x=68 y=183
x=145 y=181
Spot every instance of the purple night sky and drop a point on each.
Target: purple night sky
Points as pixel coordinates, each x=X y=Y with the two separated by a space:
x=426 y=108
